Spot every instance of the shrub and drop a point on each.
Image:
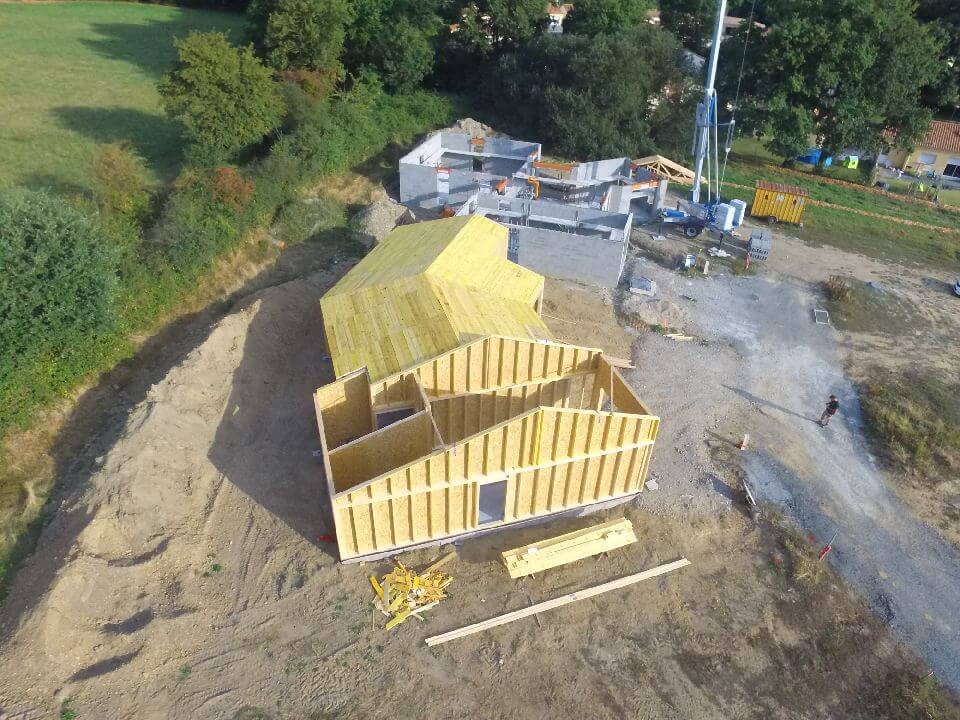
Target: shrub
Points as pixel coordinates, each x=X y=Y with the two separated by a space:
x=58 y=281
x=305 y=34
x=837 y=288
x=225 y=98
x=301 y=220
x=229 y=188
x=120 y=181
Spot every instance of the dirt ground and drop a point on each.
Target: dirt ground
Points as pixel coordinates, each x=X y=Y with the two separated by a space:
x=183 y=575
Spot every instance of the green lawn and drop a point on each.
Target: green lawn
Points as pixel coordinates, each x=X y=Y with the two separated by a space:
x=875 y=237
x=76 y=75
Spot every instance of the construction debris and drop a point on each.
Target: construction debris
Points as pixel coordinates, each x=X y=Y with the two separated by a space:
x=640 y=285
x=717 y=252
x=567 y=548
x=402 y=593
x=556 y=602
x=821 y=316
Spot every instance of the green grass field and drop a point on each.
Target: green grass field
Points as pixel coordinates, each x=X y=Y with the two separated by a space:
x=76 y=75
x=876 y=237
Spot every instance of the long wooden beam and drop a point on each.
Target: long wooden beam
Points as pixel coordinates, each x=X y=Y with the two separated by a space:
x=556 y=602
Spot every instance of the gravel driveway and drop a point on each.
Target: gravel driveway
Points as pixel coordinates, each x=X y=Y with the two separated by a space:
x=766 y=368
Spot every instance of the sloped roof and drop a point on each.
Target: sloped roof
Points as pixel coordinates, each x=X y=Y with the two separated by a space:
x=781 y=188
x=426 y=289
x=943 y=135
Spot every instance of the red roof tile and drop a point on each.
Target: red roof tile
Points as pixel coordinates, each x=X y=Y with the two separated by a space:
x=943 y=135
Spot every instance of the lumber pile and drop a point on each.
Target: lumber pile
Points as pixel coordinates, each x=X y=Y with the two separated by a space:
x=568 y=548
x=403 y=593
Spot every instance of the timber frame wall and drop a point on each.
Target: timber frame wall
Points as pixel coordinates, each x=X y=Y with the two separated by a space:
x=556 y=425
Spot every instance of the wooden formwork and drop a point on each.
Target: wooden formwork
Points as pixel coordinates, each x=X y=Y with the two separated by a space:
x=540 y=426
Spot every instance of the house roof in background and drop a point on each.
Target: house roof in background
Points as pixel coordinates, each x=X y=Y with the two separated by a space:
x=943 y=135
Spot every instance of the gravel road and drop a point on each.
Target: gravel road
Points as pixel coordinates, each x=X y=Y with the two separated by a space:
x=766 y=368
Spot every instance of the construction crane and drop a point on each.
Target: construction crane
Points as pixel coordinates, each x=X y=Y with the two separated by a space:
x=705 y=151
x=701 y=214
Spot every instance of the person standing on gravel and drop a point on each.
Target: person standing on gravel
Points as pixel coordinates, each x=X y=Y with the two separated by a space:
x=832 y=406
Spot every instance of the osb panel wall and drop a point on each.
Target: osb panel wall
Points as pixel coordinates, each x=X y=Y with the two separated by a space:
x=579 y=482
x=460 y=416
x=489 y=363
x=345 y=408
x=437 y=496
x=391 y=447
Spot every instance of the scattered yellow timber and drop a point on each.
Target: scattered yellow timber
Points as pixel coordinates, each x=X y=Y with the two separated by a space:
x=403 y=593
x=556 y=602
x=567 y=548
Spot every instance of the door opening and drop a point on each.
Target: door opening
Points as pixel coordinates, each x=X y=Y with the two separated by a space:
x=493 y=502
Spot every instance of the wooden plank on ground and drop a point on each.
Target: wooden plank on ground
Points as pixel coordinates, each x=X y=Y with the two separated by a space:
x=556 y=602
x=569 y=547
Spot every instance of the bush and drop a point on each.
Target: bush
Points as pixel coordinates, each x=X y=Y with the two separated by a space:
x=225 y=98
x=301 y=220
x=120 y=181
x=58 y=281
x=837 y=288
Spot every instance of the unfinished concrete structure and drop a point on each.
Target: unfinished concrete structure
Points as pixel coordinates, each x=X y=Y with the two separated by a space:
x=453 y=411
x=562 y=241
x=540 y=201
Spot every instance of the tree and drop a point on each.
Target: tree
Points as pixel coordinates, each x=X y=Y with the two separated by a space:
x=59 y=278
x=301 y=34
x=393 y=38
x=849 y=73
x=515 y=22
x=593 y=17
x=690 y=20
x=225 y=98
x=610 y=95
x=944 y=15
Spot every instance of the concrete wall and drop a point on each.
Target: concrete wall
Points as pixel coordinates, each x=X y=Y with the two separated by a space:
x=601 y=169
x=418 y=185
x=591 y=260
x=426 y=152
x=618 y=198
x=496 y=146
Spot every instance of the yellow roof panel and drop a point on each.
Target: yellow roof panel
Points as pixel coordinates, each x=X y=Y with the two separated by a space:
x=427 y=289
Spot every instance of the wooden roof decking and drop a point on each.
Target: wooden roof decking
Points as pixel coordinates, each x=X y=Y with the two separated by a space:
x=427 y=289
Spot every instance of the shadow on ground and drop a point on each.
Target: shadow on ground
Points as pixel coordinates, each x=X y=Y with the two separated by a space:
x=267 y=435
x=153 y=136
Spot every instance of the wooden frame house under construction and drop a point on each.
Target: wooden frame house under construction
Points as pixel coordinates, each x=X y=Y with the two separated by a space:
x=453 y=411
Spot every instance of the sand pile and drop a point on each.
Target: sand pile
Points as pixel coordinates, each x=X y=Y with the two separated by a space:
x=641 y=311
x=195 y=528
x=474 y=128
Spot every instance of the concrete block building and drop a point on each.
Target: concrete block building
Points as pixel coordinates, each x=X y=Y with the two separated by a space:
x=566 y=219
